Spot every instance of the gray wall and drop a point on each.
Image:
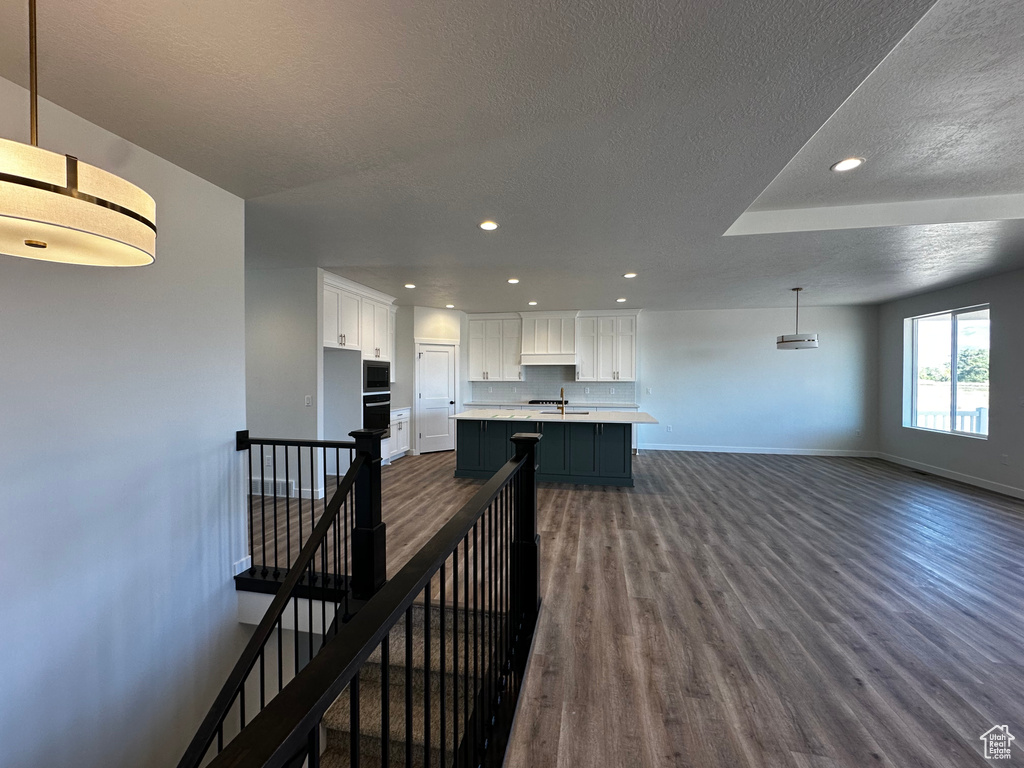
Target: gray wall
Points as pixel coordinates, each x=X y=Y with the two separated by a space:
x=123 y=509
x=717 y=379
x=405 y=359
x=283 y=345
x=963 y=458
x=343 y=393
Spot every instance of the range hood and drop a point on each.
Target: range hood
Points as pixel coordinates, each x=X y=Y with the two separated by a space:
x=549 y=338
x=549 y=359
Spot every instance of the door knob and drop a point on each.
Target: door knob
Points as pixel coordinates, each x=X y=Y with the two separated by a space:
x=451 y=402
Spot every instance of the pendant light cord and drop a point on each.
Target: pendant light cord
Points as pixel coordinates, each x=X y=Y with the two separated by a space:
x=33 y=85
x=797 y=329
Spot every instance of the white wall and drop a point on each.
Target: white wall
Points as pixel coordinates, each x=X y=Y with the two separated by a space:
x=719 y=382
x=962 y=458
x=437 y=324
x=122 y=508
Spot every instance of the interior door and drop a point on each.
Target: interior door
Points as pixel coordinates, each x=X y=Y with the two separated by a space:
x=435 y=400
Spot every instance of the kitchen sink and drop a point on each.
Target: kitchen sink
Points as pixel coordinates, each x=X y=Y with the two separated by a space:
x=570 y=413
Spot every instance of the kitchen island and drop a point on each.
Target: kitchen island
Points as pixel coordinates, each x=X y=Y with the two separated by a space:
x=587 y=448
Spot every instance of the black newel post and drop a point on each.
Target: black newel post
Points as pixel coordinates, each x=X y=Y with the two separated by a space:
x=369 y=542
x=526 y=540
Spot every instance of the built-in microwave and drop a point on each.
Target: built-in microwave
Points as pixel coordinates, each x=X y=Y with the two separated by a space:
x=376 y=376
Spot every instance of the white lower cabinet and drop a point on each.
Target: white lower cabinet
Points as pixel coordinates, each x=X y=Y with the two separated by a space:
x=400 y=431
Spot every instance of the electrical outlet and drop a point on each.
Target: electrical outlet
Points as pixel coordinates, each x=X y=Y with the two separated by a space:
x=649 y=391
x=586 y=390
x=309 y=401
x=490 y=389
x=611 y=390
x=513 y=390
x=270 y=461
x=668 y=427
x=1005 y=460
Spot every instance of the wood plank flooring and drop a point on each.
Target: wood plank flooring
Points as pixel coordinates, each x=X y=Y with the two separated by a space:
x=747 y=610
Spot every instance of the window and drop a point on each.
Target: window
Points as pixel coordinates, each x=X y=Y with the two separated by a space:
x=950 y=397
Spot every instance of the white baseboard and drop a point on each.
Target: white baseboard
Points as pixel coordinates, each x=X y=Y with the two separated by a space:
x=242 y=565
x=949 y=474
x=741 y=449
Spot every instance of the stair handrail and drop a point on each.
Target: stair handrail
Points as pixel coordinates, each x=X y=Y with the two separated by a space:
x=282 y=728
x=213 y=722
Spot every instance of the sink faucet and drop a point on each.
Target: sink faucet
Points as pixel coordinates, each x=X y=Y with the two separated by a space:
x=561 y=407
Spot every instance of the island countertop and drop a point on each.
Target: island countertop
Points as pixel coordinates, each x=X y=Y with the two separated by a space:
x=594 y=417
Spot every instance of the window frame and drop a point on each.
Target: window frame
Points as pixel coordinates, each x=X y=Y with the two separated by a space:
x=911 y=417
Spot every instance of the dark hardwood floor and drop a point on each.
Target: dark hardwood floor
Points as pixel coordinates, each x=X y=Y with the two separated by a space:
x=747 y=610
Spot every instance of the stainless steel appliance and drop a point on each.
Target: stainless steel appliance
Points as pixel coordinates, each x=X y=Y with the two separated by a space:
x=377 y=412
x=376 y=376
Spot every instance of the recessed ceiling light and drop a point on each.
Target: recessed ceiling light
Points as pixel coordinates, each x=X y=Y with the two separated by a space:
x=449 y=306
x=409 y=285
x=513 y=280
x=848 y=164
x=629 y=275
x=620 y=300
x=488 y=226
x=532 y=303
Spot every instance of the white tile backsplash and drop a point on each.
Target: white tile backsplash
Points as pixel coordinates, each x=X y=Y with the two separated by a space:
x=542 y=382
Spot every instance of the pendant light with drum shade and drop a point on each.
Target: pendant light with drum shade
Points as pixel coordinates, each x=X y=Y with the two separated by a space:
x=797 y=340
x=55 y=208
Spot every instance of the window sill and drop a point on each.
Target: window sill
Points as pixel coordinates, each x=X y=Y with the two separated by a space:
x=972 y=435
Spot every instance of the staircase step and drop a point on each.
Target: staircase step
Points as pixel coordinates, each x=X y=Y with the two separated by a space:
x=338 y=724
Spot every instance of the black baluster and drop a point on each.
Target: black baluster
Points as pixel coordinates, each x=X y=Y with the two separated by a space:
x=476 y=639
x=277 y=568
x=444 y=637
x=263 y=695
x=263 y=514
x=426 y=676
x=241 y=705
x=252 y=533
x=353 y=721
x=466 y=702
x=408 y=687
x=385 y=701
x=280 y=654
x=455 y=656
x=287 y=508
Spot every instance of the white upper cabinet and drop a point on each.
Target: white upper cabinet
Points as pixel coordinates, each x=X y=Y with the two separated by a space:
x=586 y=349
x=494 y=343
x=341 y=318
x=357 y=317
x=625 y=348
x=349 y=320
x=376 y=338
x=476 y=350
x=392 y=353
x=511 y=349
x=607 y=347
x=332 y=324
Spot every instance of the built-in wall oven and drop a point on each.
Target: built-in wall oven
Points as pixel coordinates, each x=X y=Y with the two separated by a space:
x=377 y=412
x=376 y=376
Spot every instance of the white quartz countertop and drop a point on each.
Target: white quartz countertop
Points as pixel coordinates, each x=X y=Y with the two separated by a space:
x=522 y=404
x=594 y=417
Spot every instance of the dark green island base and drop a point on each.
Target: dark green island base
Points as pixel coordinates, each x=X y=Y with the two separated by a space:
x=569 y=452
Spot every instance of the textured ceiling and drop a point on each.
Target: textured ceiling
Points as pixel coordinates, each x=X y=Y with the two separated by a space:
x=941 y=117
x=371 y=138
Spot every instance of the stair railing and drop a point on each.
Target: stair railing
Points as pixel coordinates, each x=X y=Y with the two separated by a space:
x=341 y=563
x=470 y=596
